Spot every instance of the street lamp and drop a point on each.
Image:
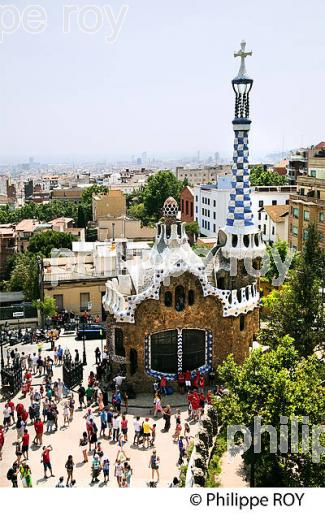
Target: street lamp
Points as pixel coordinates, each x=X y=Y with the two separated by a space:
x=1 y=346
x=84 y=357
x=41 y=284
x=101 y=340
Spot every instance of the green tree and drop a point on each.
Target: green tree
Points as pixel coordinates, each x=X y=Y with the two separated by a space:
x=157 y=189
x=134 y=198
x=41 y=212
x=25 y=276
x=192 y=228
x=270 y=385
x=82 y=220
x=282 y=248
x=138 y=211
x=43 y=243
x=260 y=177
x=87 y=194
x=297 y=309
x=47 y=307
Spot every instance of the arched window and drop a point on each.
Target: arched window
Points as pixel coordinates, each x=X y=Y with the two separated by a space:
x=179 y=298
x=221 y=282
x=246 y=240
x=164 y=351
x=239 y=295
x=242 y=322
x=193 y=349
x=191 y=297
x=119 y=343
x=234 y=240
x=168 y=299
x=133 y=361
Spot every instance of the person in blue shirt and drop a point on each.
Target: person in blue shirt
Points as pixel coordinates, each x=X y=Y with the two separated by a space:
x=103 y=423
x=181 y=450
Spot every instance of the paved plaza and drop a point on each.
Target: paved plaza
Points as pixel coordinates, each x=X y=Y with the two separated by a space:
x=66 y=440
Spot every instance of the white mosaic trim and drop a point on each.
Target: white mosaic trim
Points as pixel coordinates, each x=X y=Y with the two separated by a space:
x=124 y=309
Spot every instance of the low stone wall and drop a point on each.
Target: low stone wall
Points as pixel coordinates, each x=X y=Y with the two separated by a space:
x=203 y=447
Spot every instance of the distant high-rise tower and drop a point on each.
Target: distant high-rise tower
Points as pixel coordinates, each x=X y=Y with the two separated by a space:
x=144 y=158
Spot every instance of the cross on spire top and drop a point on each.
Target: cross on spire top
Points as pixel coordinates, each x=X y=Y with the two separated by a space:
x=242 y=53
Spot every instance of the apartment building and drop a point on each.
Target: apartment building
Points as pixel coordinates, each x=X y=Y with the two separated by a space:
x=307 y=206
x=211 y=203
x=8 y=245
x=187 y=204
x=274 y=223
x=202 y=175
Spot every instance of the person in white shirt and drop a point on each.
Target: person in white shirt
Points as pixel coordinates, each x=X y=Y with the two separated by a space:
x=118 y=381
x=60 y=484
x=6 y=417
x=137 y=430
x=34 y=363
x=116 y=427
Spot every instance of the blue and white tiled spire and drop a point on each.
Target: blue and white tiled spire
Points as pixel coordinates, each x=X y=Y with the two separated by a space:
x=240 y=204
x=240 y=217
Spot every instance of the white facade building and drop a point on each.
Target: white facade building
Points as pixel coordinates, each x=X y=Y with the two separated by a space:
x=274 y=223
x=211 y=203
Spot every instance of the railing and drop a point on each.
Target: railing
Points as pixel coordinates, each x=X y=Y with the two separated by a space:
x=11 y=380
x=61 y=277
x=308 y=180
x=72 y=374
x=306 y=198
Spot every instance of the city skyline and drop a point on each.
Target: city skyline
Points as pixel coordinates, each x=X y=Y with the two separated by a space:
x=163 y=86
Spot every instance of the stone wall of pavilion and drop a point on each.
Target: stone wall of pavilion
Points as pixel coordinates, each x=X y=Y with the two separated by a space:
x=206 y=313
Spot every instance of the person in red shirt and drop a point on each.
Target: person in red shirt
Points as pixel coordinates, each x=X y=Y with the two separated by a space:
x=25 y=389
x=19 y=409
x=196 y=380
x=2 y=440
x=163 y=384
x=39 y=429
x=188 y=378
x=24 y=416
x=195 y=405
x=202 y=400
x=12 y=413
x=25 y=444
x=28 y=375
x=124 y=427
x=46 y=460
x=201 y=383
x=181 y=382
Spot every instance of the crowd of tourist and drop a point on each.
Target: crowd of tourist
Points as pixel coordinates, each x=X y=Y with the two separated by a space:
x=47 y=406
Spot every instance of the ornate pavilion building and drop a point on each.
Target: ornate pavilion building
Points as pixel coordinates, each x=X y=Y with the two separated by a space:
x=189 y=312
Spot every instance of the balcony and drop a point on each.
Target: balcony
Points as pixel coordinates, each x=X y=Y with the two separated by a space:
x=305 y=198
x=311 y=181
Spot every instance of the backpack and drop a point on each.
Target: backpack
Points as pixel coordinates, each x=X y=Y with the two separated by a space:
x=10 y=473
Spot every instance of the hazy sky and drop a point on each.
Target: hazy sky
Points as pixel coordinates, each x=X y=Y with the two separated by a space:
x=164 y=86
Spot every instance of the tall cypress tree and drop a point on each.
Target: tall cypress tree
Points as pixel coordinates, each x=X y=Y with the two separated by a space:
x=298 y=309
